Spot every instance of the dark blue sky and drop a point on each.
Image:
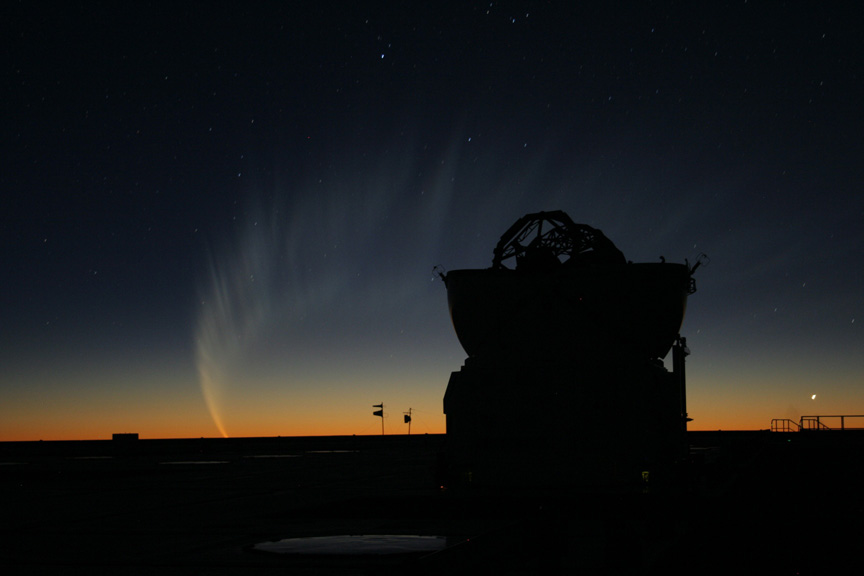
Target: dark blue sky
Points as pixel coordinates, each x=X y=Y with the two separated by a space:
x=257 y=195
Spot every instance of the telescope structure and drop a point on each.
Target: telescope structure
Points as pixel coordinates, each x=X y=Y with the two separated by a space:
x=564 y=383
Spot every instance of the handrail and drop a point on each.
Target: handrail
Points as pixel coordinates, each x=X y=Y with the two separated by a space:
x=814 y=422
x=784 y=425
x=820 y=425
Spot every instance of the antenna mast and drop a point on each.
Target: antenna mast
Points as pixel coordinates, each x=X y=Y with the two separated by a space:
x=408 y=419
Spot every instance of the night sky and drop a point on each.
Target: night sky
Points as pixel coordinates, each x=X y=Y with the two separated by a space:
x=222 y=218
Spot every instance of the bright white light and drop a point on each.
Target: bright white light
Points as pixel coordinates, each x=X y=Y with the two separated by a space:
x=813 y=397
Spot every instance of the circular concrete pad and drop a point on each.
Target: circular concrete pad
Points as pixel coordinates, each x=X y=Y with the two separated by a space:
x=354 y=545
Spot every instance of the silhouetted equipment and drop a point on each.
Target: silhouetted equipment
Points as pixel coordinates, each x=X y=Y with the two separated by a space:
x=564 y=382
x=407 y=416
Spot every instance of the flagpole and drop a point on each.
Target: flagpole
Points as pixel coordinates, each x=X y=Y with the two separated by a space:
x=381 y=414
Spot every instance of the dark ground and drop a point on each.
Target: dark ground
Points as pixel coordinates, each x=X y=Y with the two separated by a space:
x=755 y=502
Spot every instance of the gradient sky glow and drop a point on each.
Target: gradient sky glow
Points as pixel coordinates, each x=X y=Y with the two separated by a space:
x=224 y=220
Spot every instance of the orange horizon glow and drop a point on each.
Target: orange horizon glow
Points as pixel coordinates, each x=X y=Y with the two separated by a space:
x=202 y=427
x=71 y=437
x=199 y=425
x=165 y=402
x=360 y=427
